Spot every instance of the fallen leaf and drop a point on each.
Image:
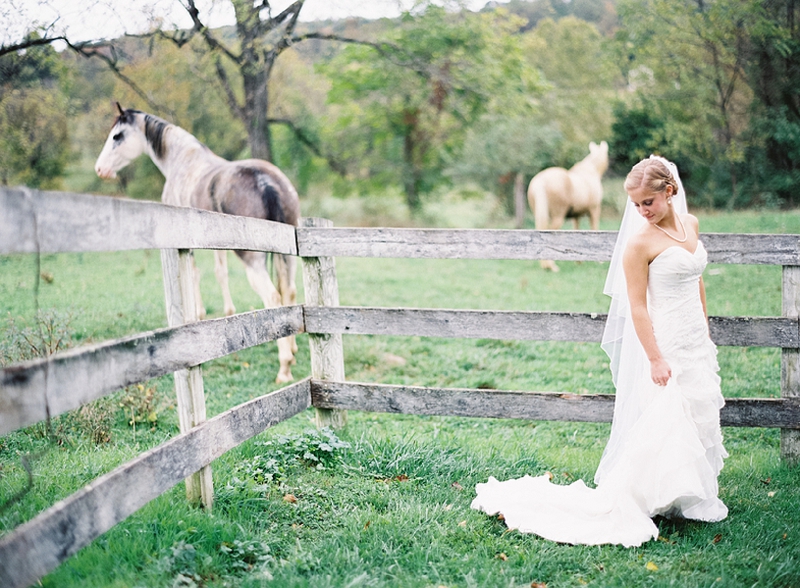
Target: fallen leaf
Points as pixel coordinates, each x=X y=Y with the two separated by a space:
x=448 y=506
x=549 y=475
x=500 y=517
x=717 y=538
x=290 y=498
x=771 y=494
x=785 y=536
x=401 y=478
x=535 y=584
x=457 y=486
x=651 y=567
x=502 y=556
x=767 y=481
x=462 y=524
x=245 y=365
x=47 y=277
x=366 y=526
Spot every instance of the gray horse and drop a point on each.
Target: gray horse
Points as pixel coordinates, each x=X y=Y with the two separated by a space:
x=196 y=177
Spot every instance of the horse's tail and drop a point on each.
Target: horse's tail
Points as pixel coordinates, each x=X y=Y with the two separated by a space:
x=537 y=199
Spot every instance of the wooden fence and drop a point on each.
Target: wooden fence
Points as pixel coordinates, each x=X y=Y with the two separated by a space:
x=39 y=222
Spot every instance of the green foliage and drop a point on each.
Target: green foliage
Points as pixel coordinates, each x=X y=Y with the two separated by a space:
x=717 y=75
x=497 y=148
x=399 y=113
x=572 y=56
x=34 y=142
x=635 y=134
x=273 y=460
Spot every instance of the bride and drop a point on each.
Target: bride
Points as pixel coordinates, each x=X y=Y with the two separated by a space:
x=665 y=451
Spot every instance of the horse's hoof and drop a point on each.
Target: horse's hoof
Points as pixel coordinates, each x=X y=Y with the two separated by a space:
x=284 y=378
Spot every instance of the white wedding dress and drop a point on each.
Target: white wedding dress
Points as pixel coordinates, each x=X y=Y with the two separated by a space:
x=667 y=462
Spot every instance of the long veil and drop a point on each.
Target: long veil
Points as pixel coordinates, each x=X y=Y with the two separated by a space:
x=628 y=360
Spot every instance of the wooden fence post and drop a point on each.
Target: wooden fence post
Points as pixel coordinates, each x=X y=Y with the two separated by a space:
x=179 y=291
x=327 y=354
x=790 y=362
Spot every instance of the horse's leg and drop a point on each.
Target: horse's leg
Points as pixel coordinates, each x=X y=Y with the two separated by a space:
x=555 y=224
x=594 y=217
x=256 y=270
x=286 y=269
x=221 y=272
x=198 y=300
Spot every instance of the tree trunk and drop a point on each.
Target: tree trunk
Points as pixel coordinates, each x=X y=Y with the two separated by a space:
x=411 y=173
x=256 y=103
x=519 y=200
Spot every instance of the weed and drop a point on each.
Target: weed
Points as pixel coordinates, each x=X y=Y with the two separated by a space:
x=141 y=404
x=317 y=449
x=51 y=332
x=185 y=564
x=251 y=557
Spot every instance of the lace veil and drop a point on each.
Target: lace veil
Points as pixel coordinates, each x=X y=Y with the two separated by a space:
x=628 y=360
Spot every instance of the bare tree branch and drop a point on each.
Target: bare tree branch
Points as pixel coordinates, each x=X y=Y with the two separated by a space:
x=96 y=50
x=29 y=42
x=222 y=76
x=194 y=13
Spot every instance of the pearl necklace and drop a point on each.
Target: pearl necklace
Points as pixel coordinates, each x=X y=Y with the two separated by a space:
x=685 y=234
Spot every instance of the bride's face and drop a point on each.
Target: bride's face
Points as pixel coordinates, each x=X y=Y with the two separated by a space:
x=653 y=206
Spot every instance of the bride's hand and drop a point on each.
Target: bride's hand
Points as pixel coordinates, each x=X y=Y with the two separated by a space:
x=660 y=371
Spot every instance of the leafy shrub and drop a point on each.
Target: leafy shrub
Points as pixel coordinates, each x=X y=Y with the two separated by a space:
x=317 y=449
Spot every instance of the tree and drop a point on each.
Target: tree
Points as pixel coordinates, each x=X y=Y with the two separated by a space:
x=34 y=144
x=583 y=83
x=400 y=114
x=696 y=53
x=772 y=162
x=502 y=150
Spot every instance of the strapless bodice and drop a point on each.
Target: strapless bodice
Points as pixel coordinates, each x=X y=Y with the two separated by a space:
x=673 y=299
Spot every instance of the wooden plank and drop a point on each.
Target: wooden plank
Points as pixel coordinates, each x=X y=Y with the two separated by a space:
x=525 y=244
x=462 y=402
x=40 y=545
x=32 y=391
x=525 y=325
x=550 y=406
x=327 y=353
x=57 y=222
x=790 y=362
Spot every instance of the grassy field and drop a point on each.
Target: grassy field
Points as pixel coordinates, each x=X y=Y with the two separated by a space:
x=385 y=502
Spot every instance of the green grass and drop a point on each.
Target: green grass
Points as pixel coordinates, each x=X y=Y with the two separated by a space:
x=393 y=508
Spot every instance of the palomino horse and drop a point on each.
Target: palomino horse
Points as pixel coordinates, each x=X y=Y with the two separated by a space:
x=555 y=194
x=196 y=177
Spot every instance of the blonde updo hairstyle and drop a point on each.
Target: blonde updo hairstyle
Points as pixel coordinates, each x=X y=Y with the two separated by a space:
x=652 y=175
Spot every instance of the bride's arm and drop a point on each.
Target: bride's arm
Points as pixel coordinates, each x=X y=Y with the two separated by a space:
x=636 y=265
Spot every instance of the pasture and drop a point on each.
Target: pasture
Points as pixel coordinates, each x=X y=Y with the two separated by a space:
x=390 y=506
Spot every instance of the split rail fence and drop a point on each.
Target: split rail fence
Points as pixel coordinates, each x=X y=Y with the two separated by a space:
x=33 y=222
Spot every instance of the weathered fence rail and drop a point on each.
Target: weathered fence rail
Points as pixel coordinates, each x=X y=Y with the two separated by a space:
x=35 y=390
x=40 y=545
x=39 y=222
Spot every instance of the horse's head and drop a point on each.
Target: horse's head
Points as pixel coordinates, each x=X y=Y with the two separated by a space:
x=598 y=154
x=125 y=142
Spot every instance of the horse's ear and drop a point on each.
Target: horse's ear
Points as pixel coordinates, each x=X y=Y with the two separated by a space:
x=119 y=108
x=604 y=145
x=592 y=147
